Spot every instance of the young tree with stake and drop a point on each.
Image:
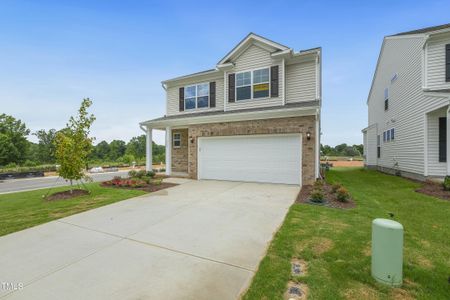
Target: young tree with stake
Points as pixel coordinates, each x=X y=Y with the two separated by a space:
x=73 y=144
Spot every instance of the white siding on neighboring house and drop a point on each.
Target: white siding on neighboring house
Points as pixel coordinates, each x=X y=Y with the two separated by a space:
x=173 y=95
x=435 y=168
x=255 y=57
x=301 y=82
x=408 y=103
x=370 y=146
x=435 y=62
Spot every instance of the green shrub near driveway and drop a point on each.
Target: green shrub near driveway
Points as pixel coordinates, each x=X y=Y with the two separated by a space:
x=336 y=243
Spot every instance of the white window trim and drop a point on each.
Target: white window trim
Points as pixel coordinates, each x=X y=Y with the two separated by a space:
x=174 y=139
x=385 y=133
x=252 y=84
x=196 y=96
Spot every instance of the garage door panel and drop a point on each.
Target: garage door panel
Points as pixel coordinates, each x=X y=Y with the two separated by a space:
x=275 y=158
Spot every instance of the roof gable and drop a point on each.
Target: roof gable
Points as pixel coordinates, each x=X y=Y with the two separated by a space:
x=250 y=39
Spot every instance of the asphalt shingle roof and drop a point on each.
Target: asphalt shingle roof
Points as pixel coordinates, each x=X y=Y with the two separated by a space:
x=424 y=30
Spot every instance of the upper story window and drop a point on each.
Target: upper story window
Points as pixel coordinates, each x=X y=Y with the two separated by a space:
x=252 y=84
x=386 y=99
x=196 y=96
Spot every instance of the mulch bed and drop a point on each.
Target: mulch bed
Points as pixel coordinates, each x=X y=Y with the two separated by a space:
x=150 y=188
x=66 y=195
x=330 y=197
x=434 y=189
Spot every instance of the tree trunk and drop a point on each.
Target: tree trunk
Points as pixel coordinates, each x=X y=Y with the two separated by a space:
x=71 y=186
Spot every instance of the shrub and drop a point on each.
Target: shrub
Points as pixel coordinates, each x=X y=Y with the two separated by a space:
x=318 y=184
x=117 y=178
x=141 y=173
x=342 y=194
x=335 y=187
x=447 y=183
x=29 y=163
x=317 y=196
x=150 y=174
x=132 y=173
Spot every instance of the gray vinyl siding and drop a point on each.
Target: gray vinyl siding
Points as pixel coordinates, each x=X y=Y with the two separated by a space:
x=301 y=82
x=255 y=57
x=408 y=104
x=173 y=91
x=435 y=168
x=436 y=63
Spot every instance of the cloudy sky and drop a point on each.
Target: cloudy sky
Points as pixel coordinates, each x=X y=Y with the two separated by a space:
x=54 y=53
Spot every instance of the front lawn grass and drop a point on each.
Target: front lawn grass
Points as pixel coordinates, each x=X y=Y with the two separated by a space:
x=336 y=243
x=26 y=209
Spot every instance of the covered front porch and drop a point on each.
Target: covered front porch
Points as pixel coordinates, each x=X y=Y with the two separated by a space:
x=176 y=145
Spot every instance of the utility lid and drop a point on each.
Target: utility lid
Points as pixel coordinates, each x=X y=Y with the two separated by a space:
x=387 y=223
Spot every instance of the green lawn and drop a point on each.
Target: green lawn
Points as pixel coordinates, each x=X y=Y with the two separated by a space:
x=26 y=209
x=336 y=243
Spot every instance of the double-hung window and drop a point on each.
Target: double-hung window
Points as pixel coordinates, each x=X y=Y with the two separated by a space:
x=196 y=96
x=177 y=140
x=253 y=84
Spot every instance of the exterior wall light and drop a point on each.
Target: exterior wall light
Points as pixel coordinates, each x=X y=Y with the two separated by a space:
x=308 y=135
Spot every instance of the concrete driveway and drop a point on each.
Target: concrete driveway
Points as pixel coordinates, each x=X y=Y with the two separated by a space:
x=198 y=240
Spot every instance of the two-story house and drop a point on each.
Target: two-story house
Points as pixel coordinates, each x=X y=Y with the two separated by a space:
x=254 y=117
x=409 y=105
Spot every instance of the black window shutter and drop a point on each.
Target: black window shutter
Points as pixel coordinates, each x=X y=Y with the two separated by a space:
x=231 y=87
x=442 y=139
x=274 y=81
x=181 y=99
x=212 y=94
x=447 y=63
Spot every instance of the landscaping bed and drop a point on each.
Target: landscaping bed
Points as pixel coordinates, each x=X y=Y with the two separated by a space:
x=139 y=180
x=66 y=195
x=330 y=196
x=434 y=189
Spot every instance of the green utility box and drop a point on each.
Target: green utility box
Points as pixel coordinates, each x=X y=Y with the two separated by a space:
x=387 y=251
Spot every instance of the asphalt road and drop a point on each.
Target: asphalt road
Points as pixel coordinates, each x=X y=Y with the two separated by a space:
x=17 y=185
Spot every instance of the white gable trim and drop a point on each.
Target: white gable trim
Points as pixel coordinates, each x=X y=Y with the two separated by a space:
x=246 y=42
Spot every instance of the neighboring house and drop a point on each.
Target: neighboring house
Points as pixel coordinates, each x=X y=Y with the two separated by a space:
x=409 y=105
x=254 y=117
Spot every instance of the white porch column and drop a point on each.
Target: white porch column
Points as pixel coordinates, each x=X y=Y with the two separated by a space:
x=448 y=141
x=148 y=149
x=168 y=151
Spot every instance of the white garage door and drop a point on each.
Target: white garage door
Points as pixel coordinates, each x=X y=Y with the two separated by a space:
x=254 y=158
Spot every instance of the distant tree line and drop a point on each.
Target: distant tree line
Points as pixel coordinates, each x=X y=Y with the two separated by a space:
x=342 y=150
x=17 y=150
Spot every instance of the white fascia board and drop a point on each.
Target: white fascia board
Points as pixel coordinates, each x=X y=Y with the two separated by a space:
x=233 y=117
x=368 y=127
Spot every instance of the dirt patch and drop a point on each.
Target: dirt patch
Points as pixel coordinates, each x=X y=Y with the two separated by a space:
x=330 y=197
x=434 y=189
x=346 y=163
x=66 y=195
x=299 y=267
x=361 y=292
x=321 y=245
x=400 y=294
x=150 y=188
x=423 y=262
x=296 y=291
x=367 y=251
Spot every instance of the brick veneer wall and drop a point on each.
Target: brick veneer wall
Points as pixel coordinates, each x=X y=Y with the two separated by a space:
x=180 y=155
x=268 y=126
